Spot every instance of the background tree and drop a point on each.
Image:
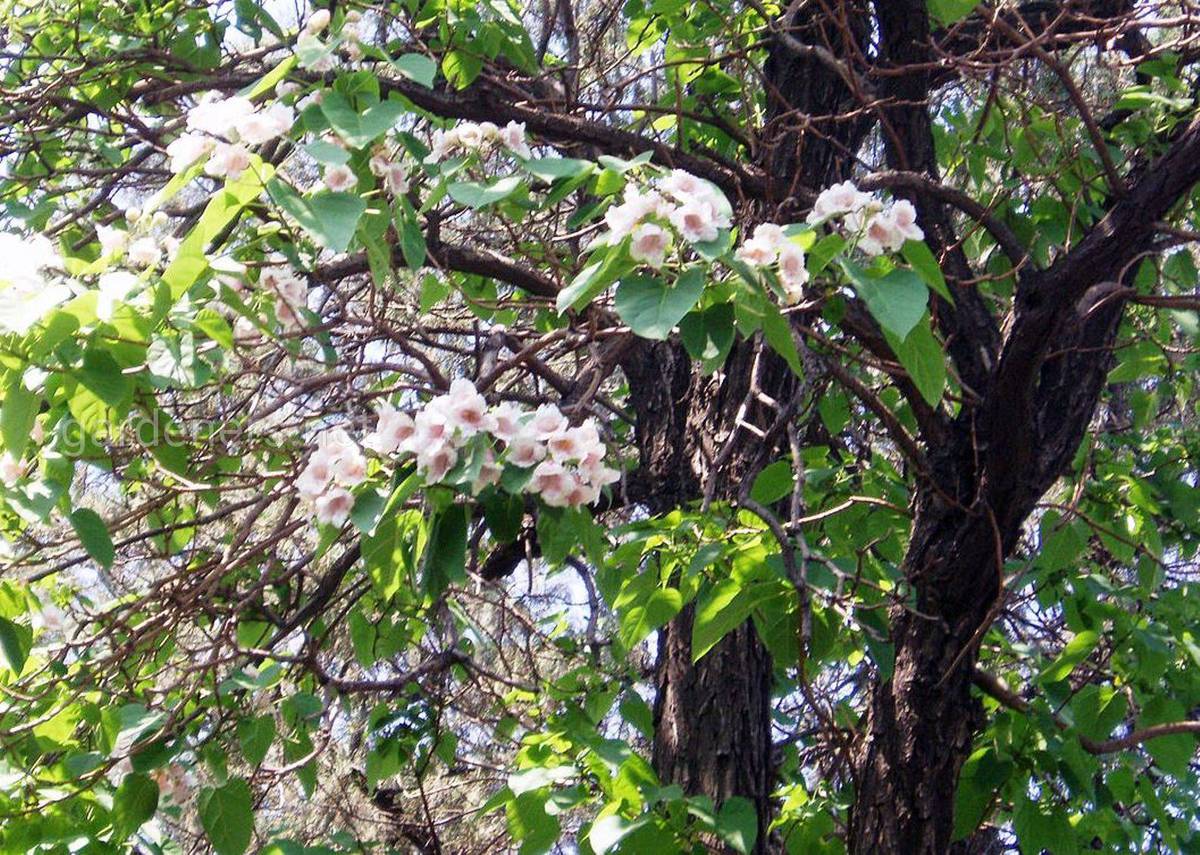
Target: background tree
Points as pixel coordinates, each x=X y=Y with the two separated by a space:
x=607 y=427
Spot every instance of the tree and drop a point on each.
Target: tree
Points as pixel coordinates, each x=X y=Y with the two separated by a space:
x=620 y=427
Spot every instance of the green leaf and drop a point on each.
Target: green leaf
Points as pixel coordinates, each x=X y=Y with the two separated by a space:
x=360 y=129
x=917 y=254
x=446 y=558
x=648 y=614
x=331 y=218
x=773 y=483
x=326 y=153
x=737 y=824
x=947 y=12
x=134 y=802
x=553 y=168
x=897 y=301
x=255 y=736
x=461 y=68
x=723 y=608
x=417 y=68
x=529 y=823
x=607 y=831
x=475 y=195
x=922 y=357
x=982 y=775
x=94 y=536
x=15 y=643
x=227 y=814
x=708 y=335
x=1076 y=650
x=593 y=279
x=17 y=414
x=652 y=308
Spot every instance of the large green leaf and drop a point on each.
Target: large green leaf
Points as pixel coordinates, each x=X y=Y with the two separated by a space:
x=896 y=300
x=227 y=814
x=94 y=536
x=331 y=218
x=475 y=195
x=923 y=359
x=652 y=307
x=15 y=641
x=445 y=560
x=17 y=414
x=135 y=801
x=360 y=129
x=723 y=608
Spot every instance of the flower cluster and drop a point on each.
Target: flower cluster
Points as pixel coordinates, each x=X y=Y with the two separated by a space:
x=876 y=226
x=680 y=203
x=333 y=468
x=769 y=245
x=459 y=429
x=469 y=137
x=290 y=292
x=394 y=175
x=27 y=289
x=224 y=129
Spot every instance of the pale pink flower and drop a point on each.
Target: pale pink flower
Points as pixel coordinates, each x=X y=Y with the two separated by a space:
x=793 y=274
x=489 y=473
x=396 y=179
x=469 y=135
x=525 y=451
x=289 y=318
x=547 y=421
x=216 y=115
x=549 y=477
x=880 y=235
x=112 y=240
x=575 y=443
x=685 y=187
x=507 y=417
x=228 y=160
x=349 y=467
x=649 y=244
x=636 y=205
x=10 y=470
x=756 y=253
x=465 y=409
x=429 y=429
x=340 y=178
x=391 y=430
x=904 y=216
x=837 y=200
x=598 y=474
x=333 y=508
x=512 y=137
x=435 y=461
x=245 y=332
x=378 y=164
x=696 y=221
x=187 y=150
x=579 y=494
x=315 y=477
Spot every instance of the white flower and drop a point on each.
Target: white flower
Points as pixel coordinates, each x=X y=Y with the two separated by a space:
x=114 y=287
x=333 y=508
x=10 y=470
x=683 y=185
x=469 y=135
x=187 y=150
x=489 y=131
x=434 y=462
x=465 y=409
x=378 y=164
x=392 y=429
x=266 y=125
x=756 y=253
x=144 y=252
x=575 y=443
x=317 y=22
x=649 y=244
x=340 y=178
x=512 y=137
x=245 y=332
x=112 y=240
x=312 y=99
x=880 y=234
x=525 y=451
x=489 y=473
x=316 y=476
x=904 y=216
x=396 y=179
x=228 y=160
x=793 y=274
x=441 y=143
x=429 y=429
x=217 y=116
x=621 y=219
x=286 y=88
x=837 y=200
x=26 y=294
x=547 y=421
x=507 y=417
x=771 y=235
x=696 y=220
